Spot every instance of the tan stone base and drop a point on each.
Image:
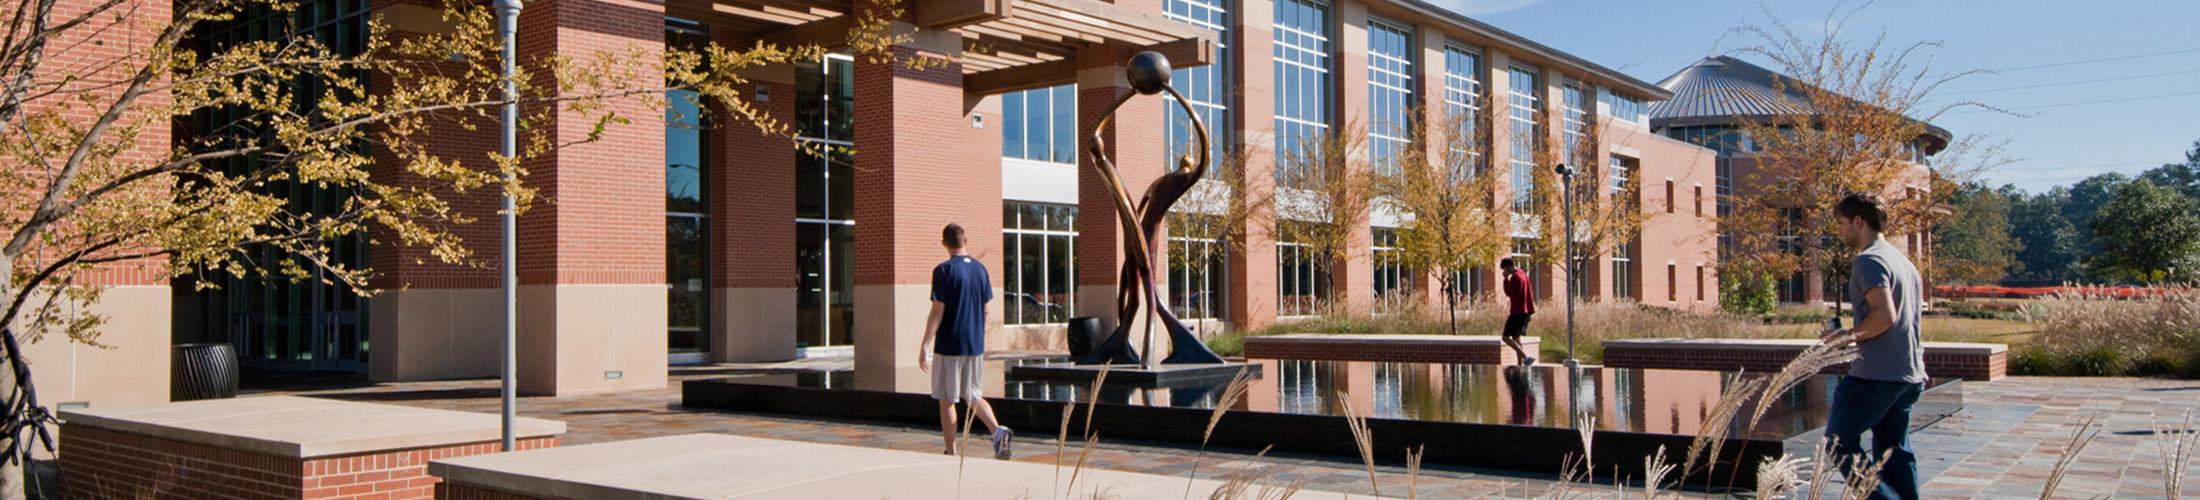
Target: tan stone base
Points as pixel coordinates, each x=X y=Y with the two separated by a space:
x=752 y=324
x=578 y=339
x=434 y=334
x=128 y=367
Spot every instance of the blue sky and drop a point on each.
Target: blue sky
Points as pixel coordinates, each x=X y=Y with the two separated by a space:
x=2144 y=56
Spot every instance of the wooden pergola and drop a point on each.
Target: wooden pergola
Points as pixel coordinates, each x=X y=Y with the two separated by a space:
x=1006 y=45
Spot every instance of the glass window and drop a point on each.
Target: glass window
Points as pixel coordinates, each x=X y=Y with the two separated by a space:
x=1302 y=78
x=686 y=249
x=1198 y=268
x=1620 y=171
x=825 y=202
x=1206 y=87
x=1389 y=93
x=1526 y=134
x=1302 y=280
x=1040 y=241
x=1040 y=124
x=1463 y=102
x=1390 y=268
x=1575 y=123
x=1623 y=108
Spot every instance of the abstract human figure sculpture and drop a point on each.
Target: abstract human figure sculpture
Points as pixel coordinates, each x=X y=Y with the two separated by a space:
x=1148 y=73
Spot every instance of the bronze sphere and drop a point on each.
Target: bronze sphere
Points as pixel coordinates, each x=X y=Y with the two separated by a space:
x=1148 y=72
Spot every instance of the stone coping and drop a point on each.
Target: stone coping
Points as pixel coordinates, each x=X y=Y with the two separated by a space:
x=706 y=466
x=1386 y=337
x=1971 y=348
x=300 y=427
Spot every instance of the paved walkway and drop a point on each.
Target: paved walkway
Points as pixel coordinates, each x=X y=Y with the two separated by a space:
x=2001 y=446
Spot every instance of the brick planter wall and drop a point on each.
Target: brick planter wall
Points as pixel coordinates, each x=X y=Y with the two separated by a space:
x=103 y=463
x=1963 y=361
x=1480 y=350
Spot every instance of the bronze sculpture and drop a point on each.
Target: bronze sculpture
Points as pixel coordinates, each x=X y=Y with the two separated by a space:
x=1148 y=73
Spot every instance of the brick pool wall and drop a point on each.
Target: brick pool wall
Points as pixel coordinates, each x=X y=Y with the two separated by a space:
x=1967 y=364
x=1387 y=348
x=103 y=463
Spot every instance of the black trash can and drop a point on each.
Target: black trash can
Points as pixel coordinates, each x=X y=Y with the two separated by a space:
x=203 y=371
x=1083 y=331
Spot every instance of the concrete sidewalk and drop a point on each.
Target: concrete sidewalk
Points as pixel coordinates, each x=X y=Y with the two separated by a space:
x=719 y=466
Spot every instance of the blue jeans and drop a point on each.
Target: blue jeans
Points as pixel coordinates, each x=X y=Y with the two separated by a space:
x=1884 y=408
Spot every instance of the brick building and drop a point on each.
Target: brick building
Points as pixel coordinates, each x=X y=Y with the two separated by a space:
x=1713 y=99
x=690 y=237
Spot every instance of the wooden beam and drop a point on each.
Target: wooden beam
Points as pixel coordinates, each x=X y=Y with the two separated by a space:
x=828 y=32
x=1031 y=76
x=1108 y=13
x=951 y=14
x=1187 y=52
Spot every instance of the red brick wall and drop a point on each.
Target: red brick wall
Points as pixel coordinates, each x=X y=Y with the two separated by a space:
x=752 y=190
x=919 y=167
x=1682 y=238
x=102 y=463
x=1252 y=281
x=96 y=55
x=600 y=218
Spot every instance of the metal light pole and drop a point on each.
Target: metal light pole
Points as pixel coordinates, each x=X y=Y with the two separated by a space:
x=1575 y=393
x=507 y=31
x=1566 y=176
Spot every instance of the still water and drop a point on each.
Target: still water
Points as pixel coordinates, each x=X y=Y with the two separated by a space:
x=1614 y=399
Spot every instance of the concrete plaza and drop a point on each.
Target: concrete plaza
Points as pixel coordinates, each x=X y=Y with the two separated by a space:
x=2003 y=445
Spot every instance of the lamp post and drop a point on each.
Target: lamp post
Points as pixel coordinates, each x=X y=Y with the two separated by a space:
x=1566 y=177
x=507 y=30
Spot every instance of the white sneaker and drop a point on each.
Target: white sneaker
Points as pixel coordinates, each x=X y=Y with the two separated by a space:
x=1001 y=439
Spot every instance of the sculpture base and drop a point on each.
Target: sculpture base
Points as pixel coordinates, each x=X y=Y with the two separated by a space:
x=1177 y=375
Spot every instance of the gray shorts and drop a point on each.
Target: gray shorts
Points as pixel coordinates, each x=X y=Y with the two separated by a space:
x=957 y=378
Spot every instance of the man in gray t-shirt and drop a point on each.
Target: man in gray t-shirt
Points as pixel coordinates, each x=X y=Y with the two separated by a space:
x=1889 y=373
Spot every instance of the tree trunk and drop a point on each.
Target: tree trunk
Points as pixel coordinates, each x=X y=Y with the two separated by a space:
x=12 y=477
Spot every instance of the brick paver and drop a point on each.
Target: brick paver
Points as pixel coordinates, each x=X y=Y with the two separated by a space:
x=2002 y=445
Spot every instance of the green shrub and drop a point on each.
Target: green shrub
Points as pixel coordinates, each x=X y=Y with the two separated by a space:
x=2034 y=360
x=2097 y=362
x=1749 y=294
x=1231 y=343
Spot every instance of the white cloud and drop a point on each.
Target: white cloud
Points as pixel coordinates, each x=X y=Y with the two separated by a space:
x=1484 y=7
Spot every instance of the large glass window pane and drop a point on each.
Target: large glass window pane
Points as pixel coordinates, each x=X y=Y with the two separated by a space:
x=809 y=184
x=683 y=152
x=687 y=307
x=1065 y=124
x=1526 y=125
x=1040 y=246
x=1037 y=133
x=1390 y=91
x=810 y=312
x=842 y=299
x=1012 y=119
x=843 y=184
x=841 y=110
x=1059 y=284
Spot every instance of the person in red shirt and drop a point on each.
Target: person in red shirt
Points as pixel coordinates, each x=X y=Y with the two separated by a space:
x=1521 y=294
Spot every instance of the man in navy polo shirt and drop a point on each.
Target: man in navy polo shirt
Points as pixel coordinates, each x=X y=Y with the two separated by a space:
x=960 y=289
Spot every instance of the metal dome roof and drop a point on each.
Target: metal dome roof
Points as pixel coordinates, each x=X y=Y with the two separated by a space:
x=1722 y=90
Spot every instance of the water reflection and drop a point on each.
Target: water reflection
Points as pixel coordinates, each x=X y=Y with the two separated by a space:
x=1616 y=399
